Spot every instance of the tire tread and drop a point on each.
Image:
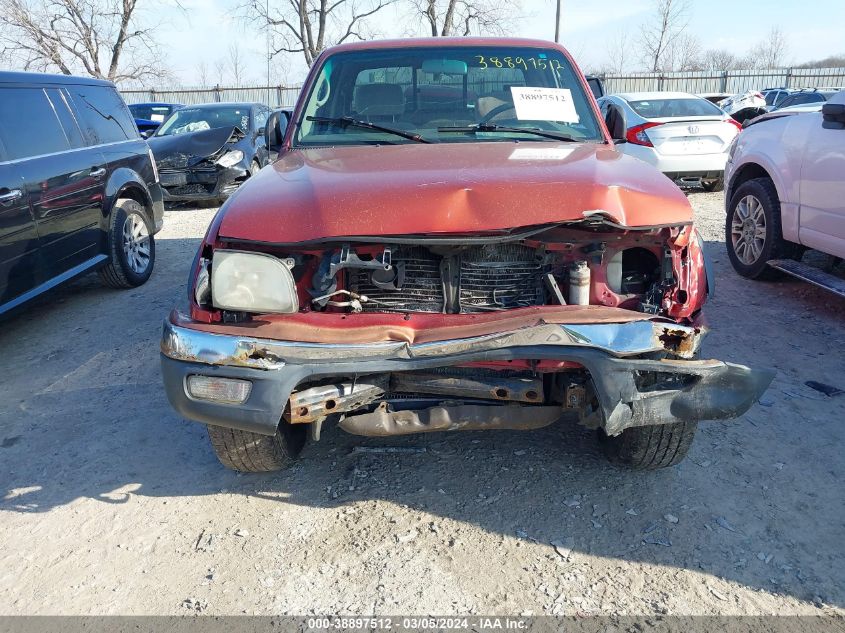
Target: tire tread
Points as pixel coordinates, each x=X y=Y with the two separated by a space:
x=776 y=247
x=650 y=447
x=249 y=452
x=112 y=274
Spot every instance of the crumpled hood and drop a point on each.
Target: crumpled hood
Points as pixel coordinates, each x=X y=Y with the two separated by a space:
x=446 y=188
x=178 y=151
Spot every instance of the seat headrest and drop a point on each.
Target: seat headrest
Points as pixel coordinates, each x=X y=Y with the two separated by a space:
x=485 y=105
x=379 y=99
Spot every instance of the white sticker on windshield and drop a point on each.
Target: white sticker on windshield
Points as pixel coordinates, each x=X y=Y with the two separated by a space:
x=157 y=117
x=544 y=104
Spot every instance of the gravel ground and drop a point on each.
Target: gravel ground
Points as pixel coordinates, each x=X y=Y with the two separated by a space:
x=112 y=504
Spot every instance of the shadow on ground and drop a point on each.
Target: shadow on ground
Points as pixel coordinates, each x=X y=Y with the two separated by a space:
x=83 y=415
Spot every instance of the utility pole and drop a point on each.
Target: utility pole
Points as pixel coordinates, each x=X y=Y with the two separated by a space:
x=269 y=56
x=557 y=22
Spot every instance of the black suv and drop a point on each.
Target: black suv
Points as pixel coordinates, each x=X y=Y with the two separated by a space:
x=79 y=189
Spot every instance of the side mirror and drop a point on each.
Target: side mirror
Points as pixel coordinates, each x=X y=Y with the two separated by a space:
x=274 y=131
x=616 y=125
x=147 y=133
x=833 y=115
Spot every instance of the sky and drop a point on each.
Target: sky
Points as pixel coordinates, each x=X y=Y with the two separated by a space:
x=814 y=29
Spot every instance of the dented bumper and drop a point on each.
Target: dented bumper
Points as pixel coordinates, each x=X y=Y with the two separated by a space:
x=629 y=390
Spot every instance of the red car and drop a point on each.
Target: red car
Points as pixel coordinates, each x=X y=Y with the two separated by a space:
x=486 y=259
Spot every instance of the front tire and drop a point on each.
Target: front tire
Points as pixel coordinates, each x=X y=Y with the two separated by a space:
x=753 y=233
x=131 y=246
x=255 y=453
x=649 y=447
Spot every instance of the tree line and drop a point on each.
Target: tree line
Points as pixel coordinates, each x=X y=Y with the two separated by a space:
x=116 y=39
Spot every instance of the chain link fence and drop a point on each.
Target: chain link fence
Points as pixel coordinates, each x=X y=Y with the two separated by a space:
x=729 y=81
x=276 y=96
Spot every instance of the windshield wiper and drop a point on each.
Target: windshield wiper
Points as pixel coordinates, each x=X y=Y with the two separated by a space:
x=492 y=127
x=348 y=121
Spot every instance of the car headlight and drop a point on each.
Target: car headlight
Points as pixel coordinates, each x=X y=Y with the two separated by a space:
x=230 y=158
x=252 y=282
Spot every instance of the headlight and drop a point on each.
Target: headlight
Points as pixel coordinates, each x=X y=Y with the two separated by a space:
x=252 y=282
x=231 y=158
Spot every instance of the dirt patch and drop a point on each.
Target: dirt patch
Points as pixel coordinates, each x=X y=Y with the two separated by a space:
x=111 y=504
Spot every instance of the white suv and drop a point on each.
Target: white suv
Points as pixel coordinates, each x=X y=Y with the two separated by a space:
x=786 y=192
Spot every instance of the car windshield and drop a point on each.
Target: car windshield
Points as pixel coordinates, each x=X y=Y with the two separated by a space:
x=668 y=108
x=198 y=119
x=149 y=112
x=771 y=96
x=446 y=95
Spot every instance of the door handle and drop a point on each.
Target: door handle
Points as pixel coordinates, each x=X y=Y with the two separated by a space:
x=11 y=196
x=98 y=173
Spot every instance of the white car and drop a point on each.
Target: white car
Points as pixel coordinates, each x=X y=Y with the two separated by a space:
x=750 y=99
x=786 y=193
x=684 y=136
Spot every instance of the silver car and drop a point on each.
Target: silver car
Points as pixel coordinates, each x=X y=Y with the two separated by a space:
x=683 y=135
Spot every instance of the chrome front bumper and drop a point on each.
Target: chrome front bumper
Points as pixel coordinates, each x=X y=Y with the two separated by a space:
x=618 y=339
x=611 y=353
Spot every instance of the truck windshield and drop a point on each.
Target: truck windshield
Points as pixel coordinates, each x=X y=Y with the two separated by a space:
x=446 y=95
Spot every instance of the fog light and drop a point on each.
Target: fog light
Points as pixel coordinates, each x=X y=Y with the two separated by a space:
x=225 y=390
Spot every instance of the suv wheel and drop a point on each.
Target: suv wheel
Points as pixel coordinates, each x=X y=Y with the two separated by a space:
x=255 y=453
x=753 y=230
x=131 y=246
x=649 y=447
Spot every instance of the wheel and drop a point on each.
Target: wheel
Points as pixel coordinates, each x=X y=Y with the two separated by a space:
x=713 y=185
x=753 y=230
x=132 y=249
x=255 y=453
x=649 y=447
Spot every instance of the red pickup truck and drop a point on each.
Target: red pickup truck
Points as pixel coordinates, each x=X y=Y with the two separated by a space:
x=449 y=240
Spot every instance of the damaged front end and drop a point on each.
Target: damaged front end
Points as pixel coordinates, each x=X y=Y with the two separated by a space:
x=407 y=334
x=204 y=165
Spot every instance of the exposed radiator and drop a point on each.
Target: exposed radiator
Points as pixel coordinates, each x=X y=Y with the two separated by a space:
x=501 y=276
x=491 y=277
x=421 y=289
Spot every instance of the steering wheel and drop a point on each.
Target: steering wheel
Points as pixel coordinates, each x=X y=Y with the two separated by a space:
x=496 y=111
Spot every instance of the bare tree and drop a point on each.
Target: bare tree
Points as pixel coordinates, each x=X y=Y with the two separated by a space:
x=220 y=70
x=102 y=38
x=309 y=26
x=683 y=53
x=445 y=18
x=834 y=61
x=618 y=53
x=280 y=71
x=771 y=52
x=656 y=37
x=719 y=59
x=202 y=73
x=236 y=64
